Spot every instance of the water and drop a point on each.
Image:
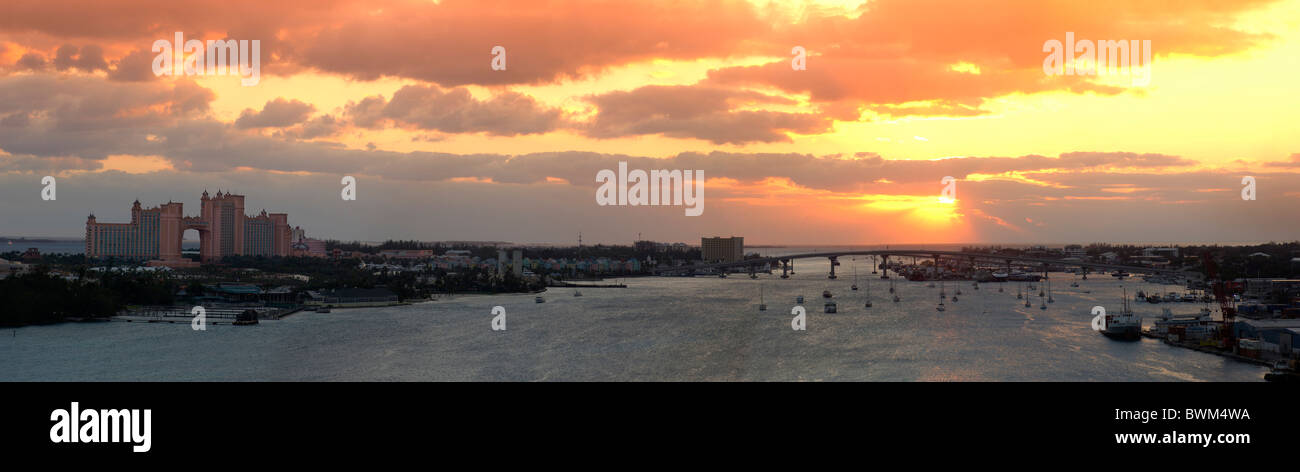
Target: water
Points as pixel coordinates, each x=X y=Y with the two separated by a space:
x=660 y=328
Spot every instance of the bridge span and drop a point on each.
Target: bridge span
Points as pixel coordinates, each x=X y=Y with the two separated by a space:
x=885 y=254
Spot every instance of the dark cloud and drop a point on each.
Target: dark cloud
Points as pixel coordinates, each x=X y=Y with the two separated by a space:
x=134 y=67
x=456 y=111
x=88 y=58
x=278 y=113
x=707 y=113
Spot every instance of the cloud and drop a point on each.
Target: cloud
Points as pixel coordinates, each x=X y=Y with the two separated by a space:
x=708 y=113
x=88 y=58
x=278 y=113
x=455 y=111
x=137 y=66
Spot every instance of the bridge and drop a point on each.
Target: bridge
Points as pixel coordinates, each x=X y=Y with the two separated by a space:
x=885 y=254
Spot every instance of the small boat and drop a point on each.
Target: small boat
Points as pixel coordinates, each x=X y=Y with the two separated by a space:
x=798 y=300
x=1027 y=304
x=323 y=309
x=247 y=318
x=855 y=274
x=577 y=293
x=896 y=299
x=826 y=294
x=539 y=300
x=954 y=298
x=829 y=307
x=722 y=275
x=940 y=307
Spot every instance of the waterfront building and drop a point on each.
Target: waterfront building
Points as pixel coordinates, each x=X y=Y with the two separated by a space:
x=719 y=249
x=154 y=234
x=352 y=297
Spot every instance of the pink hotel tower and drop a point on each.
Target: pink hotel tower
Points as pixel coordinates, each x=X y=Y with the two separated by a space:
x=154 y=234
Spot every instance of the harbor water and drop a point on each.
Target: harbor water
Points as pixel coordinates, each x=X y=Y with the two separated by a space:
x=657 y=329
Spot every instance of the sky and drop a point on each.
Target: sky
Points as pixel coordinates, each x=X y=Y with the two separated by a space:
x=851 y=148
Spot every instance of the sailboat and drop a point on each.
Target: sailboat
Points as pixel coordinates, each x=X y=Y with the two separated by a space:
x=1049 y=292
x=868 y=293
x=761 y=305
x=855 y=274
x=1018 y=294
x=941 y=297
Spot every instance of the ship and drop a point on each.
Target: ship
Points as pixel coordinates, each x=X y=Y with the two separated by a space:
x=1125 y=325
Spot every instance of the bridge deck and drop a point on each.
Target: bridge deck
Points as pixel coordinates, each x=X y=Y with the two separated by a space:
x=1002 y=258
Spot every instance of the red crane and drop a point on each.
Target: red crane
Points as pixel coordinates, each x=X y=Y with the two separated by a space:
x=1221 y=296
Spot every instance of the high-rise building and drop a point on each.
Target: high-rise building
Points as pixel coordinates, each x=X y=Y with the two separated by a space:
x=154 y=234
x=718 y=249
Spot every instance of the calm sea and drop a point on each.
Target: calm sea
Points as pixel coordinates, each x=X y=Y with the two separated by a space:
x=661 y=328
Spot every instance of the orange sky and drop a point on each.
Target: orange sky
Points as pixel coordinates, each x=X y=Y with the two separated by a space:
x=402 y=94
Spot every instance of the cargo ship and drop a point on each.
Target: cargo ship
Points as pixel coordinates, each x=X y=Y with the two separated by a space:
x=1125 y=325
